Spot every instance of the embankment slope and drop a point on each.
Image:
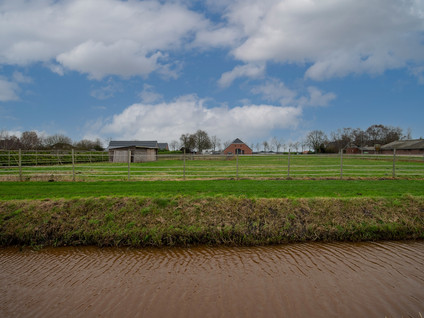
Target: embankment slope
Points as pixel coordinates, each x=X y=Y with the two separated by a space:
x=189 y=220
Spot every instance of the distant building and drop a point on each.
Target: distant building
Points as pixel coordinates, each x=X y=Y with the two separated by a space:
x=238 y=147
x=141 y=151
x=404 y=147
x=163 y=146
x=360 y=150
x=353 y=150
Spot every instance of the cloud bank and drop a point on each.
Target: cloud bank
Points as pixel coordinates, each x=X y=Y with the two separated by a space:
x=333 y=38
x=97 y=37
x=167 y=121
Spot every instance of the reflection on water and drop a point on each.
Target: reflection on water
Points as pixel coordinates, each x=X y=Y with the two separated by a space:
x=299 y=280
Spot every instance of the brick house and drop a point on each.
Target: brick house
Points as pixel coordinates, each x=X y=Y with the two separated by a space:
x=238 y=147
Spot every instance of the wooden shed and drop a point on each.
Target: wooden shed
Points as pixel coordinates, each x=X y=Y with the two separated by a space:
x=140 y=151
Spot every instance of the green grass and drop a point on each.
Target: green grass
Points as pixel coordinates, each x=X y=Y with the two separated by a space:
x=223 y=167
x=187 y=221
x=213 y=188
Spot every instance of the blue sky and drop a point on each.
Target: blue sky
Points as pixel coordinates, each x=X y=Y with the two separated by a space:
x=251 y=69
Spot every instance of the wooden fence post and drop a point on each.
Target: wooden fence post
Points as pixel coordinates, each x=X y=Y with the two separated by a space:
x=73 y=165
x=341 y=163
x=20 y=165
x=8 y=159
x=237 y=174
x=288 y=165
x=394 y=163
x=129 y=164
x=184 y=165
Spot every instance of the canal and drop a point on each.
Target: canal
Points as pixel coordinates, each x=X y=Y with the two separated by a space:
x=382 y=279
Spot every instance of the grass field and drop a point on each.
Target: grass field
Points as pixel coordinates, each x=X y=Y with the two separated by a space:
x=214 y=188
x=224 y=167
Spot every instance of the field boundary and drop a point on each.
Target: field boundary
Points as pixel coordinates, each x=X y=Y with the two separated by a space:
x=91 y=166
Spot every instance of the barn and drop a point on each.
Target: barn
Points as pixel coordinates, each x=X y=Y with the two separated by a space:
x=405 y=147
x=140 y=151
x=238 y=147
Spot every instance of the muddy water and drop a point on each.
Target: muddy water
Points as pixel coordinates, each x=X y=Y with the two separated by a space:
x=300 y=280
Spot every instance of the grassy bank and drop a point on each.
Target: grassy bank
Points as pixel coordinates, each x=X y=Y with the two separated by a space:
x=186 y=221
x=213 y=188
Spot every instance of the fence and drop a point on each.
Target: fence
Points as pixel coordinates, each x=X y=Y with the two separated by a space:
x=91 y=166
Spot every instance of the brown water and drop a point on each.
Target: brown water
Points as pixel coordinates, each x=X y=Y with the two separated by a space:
x=299 y=280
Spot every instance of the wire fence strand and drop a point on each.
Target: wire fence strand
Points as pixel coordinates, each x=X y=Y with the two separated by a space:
x=92 y=166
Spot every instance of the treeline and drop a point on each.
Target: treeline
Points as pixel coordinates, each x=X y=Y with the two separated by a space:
x=30 y=140
x=198 y=142
x=348 y=137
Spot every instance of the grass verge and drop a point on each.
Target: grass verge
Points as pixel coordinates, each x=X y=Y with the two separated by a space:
x=187 y=221
x=213 y=188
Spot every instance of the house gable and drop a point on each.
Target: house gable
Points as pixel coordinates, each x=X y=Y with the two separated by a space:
x=238 y=147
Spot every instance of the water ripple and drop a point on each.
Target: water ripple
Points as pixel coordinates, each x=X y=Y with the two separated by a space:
x=309 y=279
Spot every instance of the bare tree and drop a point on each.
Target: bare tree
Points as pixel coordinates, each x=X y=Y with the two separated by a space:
x=258 y=147
x=173 y=145
x=408 y=135
x=215 y=142
x=9 y=142
x=187 y=142
x=303 y=144
x=57 y=139
x=276 y=143
x=30 y=140
x=226 y=144
x=265 y=144
x=316 y=140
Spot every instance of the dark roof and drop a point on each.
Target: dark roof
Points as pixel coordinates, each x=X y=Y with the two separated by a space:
x=114 y=144
x=163 y=145
x=405 y=144
x=237 y=141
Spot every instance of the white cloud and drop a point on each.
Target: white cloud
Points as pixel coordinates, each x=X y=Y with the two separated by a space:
x=148 y=95
x=97 y=37
x=338 y=37
x=106 y=91
x=127 y=38
x=318 y=98
x=419 y=73
x=167 y=121
x=98 y=60
x=8 y=90
x=55 y=68
x=248 y=70
x=276 y=91
x=18 y=77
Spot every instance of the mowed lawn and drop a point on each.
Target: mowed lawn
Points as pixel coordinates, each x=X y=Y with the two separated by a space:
x=213 y=188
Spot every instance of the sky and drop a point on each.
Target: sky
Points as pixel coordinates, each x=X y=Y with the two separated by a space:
x=248 y=69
